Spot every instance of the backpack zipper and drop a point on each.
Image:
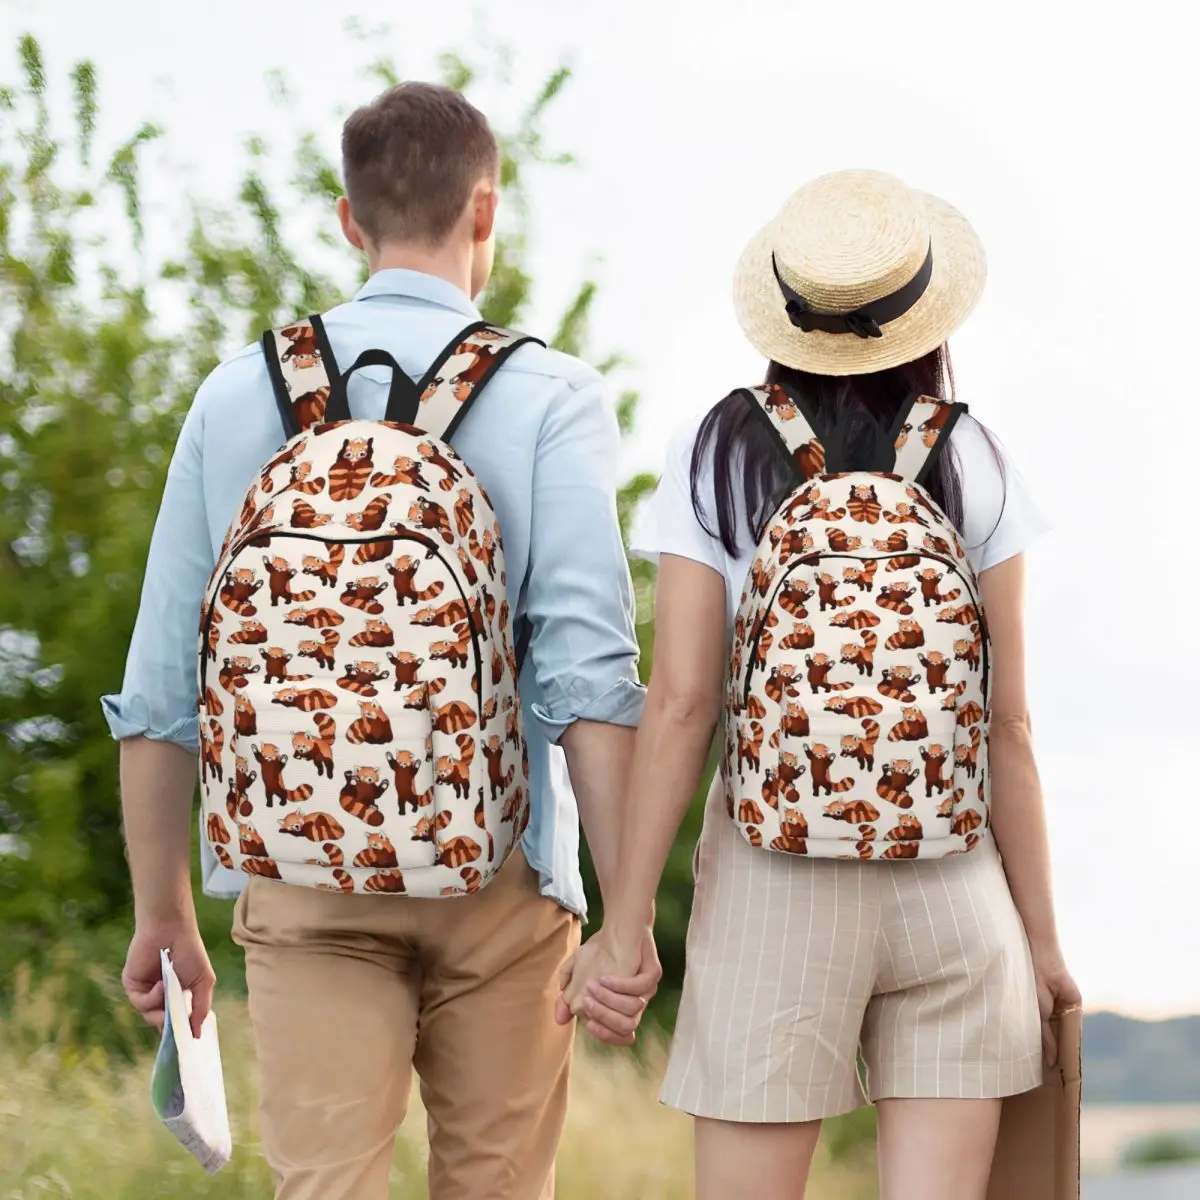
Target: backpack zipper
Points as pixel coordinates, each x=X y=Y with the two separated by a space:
x=814 y=558
x=430 y=548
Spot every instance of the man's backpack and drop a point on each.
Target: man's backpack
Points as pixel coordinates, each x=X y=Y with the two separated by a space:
x=856 y=717
x=360 y=726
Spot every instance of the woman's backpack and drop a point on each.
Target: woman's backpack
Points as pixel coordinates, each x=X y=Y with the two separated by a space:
x=856 y=716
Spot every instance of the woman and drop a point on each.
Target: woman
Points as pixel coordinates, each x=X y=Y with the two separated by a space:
x=933 y=959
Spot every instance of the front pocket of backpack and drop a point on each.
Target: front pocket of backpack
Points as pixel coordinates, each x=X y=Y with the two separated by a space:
x=412 y=822
x=915 y=781
x=330 y=781
x=884 y=776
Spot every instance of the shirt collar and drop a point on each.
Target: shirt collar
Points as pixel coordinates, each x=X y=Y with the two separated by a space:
x=398 y=281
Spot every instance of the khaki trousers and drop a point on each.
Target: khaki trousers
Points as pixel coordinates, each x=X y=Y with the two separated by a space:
x=349 y=993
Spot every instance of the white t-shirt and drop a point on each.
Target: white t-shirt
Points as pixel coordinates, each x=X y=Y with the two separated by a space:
x=1000 y=518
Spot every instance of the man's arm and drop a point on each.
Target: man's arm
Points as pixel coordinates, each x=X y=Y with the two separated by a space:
x=584 y=651
x=157 y=781
x=579 y=598
x=598 y=758
x=155 y=719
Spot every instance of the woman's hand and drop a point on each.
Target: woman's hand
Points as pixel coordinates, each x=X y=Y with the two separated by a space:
x=1056 y=992
x=609 y=987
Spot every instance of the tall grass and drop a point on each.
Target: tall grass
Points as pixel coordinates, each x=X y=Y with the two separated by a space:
x=76 y=1122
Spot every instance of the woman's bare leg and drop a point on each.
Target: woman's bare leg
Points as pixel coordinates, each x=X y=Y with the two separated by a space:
x=936 y=1149
x=737 y=1159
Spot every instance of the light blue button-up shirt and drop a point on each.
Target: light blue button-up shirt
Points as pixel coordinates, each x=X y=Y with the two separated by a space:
x=544 y=442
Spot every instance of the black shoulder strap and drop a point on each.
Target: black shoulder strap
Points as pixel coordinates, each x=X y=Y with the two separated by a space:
x=308 y=386
x=310 y=389
x=523 y=640
x=792 y=428
x=303 y=373
x=452 y=385
x=922 y=430
x=460 y=373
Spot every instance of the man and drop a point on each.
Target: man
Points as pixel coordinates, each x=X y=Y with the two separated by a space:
x=347 y=994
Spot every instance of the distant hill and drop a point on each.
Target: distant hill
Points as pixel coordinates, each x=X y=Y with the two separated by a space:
x=1140 y=1062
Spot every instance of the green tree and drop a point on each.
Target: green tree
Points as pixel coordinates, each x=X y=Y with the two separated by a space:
x=93 y=386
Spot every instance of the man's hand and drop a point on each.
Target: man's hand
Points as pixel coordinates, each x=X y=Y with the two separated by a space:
x=157 y=781
x=610 y=989
x=142 y=977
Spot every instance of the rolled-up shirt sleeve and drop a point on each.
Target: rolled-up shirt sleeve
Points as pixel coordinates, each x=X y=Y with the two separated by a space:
x=158 y=694
x=579 y=596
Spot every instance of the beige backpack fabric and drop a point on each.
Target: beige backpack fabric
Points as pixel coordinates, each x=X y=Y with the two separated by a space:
x=856 y=716
x=359 y=717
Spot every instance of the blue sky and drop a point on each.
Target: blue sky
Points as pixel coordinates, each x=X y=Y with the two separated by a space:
x=1059 y=132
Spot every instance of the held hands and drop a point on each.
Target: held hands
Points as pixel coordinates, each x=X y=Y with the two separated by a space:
x=609 y=987
x=142 y=977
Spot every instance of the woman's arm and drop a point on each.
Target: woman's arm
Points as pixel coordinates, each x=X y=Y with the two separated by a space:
x=1018 y=812
x=682 y=707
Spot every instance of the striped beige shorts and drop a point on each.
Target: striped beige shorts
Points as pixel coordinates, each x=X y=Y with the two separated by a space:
x=797 y=967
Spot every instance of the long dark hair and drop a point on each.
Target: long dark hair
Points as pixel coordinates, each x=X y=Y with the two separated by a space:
x=854 y=411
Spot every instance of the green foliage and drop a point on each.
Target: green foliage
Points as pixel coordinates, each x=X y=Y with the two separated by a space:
x=1163 y=1149
x=86 y=385
x=93 y=386
x=84 y=79
x=850 y=1137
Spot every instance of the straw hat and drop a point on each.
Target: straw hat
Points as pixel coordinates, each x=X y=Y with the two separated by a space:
x=857 y=273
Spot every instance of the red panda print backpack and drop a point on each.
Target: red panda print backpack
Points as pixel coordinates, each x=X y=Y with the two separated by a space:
x=857 y=703
x=360 y=727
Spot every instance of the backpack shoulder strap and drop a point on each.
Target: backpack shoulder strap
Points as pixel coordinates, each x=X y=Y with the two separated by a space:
x=308 y=384
x=921 y=432
x=792 y=428
x=451 y=385
x=301 y=366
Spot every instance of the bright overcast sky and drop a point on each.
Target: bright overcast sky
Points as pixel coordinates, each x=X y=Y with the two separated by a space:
x=1065 y=135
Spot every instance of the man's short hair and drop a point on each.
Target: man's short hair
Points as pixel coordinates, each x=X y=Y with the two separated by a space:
x=410 y=159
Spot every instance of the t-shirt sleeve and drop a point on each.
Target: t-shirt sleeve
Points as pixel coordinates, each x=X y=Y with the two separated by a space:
x=667 y=523
x=1000 y=517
